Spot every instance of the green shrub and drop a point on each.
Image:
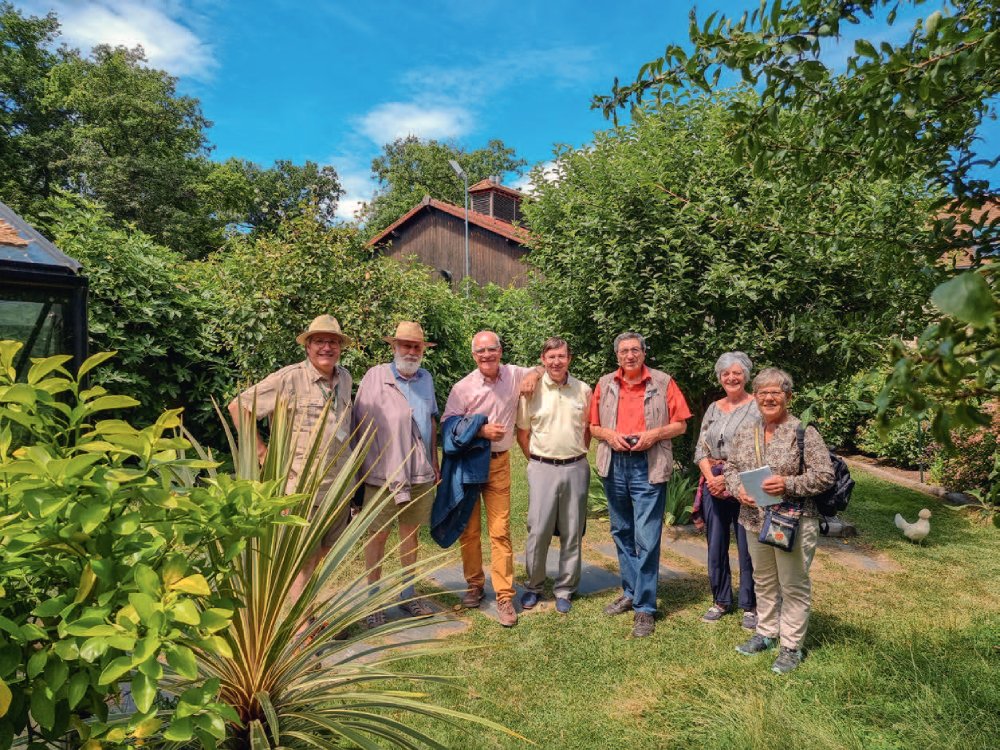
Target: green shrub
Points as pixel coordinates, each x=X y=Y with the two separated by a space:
x=967 y=465
x=147 y=304
x=680 y=497
x=271 y=287
x=840 y=408
x=109 y=553
x=901 y=446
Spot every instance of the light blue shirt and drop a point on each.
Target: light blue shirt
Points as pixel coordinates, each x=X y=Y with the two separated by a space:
x=419 y=392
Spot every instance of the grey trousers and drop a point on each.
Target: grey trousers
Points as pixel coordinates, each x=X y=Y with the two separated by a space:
x=781 y=581
x=556 y=494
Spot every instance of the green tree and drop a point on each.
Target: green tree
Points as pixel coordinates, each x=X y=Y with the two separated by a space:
x=136 y=146
x=30 y=132
x=913 y=108
x=410 y=168
x=661 y=227
x=246 y=196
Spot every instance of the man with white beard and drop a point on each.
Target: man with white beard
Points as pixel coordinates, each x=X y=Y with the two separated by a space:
x=397 y=399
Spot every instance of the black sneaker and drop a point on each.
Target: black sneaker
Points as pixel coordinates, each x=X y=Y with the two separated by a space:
x=619 y=606
x=643 y=625
x=788 y=659
x=757 y=644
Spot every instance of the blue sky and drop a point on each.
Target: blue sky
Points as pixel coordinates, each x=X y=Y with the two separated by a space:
x=332 y=81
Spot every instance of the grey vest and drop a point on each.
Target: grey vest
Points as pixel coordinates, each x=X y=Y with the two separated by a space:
x=661 y=455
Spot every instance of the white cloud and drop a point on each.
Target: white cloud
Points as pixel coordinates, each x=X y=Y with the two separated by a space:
x=356 y=180
x=549 y=171
x=392 y=120
x=162 y=27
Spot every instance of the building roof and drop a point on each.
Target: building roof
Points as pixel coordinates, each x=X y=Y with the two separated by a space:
x=514 y=233
x=488 y=184
x=22 y=244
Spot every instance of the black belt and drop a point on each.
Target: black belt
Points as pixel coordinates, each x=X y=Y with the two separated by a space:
x=558 y=461
x=496 y=454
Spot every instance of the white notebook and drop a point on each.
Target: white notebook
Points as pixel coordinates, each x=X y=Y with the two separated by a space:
x=752 y=481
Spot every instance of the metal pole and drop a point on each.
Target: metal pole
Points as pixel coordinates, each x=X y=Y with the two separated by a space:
x=466 y=176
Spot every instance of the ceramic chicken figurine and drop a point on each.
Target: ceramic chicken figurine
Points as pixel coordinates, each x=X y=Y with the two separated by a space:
x=918 y=530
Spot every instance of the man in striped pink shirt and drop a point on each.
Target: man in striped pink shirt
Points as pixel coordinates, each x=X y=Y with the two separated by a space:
x=492 y=389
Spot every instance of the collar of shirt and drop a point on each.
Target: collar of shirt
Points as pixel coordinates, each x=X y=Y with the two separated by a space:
x=550 y=383
x=620 y=376
x=413 y=378
x=316 y=376
x=484 y=381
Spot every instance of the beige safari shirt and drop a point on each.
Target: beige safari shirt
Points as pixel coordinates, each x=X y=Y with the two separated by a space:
x=304 y=385
x=557 y=417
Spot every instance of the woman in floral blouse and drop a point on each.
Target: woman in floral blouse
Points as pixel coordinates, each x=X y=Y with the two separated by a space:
x=781 y=579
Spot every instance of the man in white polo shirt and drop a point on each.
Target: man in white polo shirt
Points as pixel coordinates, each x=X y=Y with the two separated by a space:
x=554 y=434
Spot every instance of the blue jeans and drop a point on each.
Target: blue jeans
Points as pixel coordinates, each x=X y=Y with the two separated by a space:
x=635 y=507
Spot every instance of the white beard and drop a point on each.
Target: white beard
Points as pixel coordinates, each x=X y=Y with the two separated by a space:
x=407 y=366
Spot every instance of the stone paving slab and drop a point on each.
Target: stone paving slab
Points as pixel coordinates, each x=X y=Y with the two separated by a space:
x=849 y=555
x=666 y=573
x=593 y=578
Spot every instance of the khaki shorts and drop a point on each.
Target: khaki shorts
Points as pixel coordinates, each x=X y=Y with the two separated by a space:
x=417 y=512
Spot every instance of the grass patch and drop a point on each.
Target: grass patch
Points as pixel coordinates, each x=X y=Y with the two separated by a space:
x=894 y=660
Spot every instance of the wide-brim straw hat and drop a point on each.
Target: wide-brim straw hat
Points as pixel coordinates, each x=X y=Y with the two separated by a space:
x=409 y=331
x=323 y=324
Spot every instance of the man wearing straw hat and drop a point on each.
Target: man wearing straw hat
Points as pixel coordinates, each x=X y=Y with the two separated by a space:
x=309 y=385
x=397 y=400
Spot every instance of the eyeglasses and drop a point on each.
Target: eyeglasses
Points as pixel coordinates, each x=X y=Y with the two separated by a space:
x=632 y=350
x=325 y=342
x=769 y=394
x=486 y=350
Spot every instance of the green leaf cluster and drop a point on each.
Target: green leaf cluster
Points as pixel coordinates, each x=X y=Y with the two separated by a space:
x=662 y=227
x=109 y=555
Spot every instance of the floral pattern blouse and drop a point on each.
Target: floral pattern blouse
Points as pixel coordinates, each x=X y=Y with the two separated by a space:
x=782 y=455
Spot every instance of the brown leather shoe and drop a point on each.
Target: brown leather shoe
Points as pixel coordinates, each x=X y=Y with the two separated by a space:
x=505 y=610
x=472 y=597
x=619 y=606
x=643 y=625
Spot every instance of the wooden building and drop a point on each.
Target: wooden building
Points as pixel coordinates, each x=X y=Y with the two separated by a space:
x=434 y=232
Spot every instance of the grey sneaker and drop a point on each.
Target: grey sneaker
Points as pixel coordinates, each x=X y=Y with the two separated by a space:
x=375 y=620
x=788 y=659
x=756 y=645
x=619 y=606
x=714 y=614
x=643 y=625
x=417 y=608
x=749 y=620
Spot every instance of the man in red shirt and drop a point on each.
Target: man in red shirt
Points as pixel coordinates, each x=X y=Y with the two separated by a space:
x=634 y=413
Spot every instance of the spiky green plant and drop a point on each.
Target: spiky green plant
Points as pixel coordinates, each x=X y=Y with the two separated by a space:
x=293 y=683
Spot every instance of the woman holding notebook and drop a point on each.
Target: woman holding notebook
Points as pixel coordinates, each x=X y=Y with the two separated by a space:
x=782 y=525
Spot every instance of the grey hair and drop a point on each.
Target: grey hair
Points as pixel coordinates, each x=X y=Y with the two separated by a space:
x=630 y=335
x=472 y=343
x=773 y=376
x=729 y=359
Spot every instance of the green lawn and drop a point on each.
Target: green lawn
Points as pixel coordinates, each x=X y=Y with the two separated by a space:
x=907 y=659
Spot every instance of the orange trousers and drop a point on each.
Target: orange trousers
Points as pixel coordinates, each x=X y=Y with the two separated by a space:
x=496 y=498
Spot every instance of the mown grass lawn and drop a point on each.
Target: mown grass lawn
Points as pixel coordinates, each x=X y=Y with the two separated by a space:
x=894 y=660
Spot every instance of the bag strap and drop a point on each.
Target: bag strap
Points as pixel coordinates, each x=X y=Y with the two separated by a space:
x=756 y=445
x=800 y=438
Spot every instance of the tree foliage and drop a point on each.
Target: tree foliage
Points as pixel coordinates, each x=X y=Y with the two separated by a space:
x=410 y=168
x=114 y=130
x=662 y=227
x=908 y=108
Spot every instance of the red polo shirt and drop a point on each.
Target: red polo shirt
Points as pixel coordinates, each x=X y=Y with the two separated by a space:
x=631 y=416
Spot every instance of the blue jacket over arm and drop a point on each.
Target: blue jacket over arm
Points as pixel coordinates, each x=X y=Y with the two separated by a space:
x=464 y=471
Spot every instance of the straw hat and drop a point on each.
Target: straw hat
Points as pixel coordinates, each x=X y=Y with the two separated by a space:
x=323 y=324
x=409 y=331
